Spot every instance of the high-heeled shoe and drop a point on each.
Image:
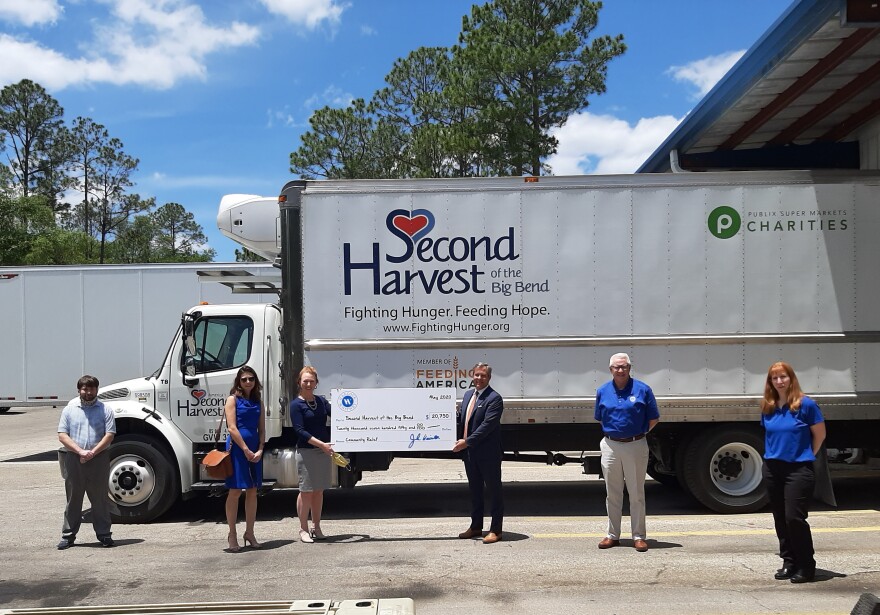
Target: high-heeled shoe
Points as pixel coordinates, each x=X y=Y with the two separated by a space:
x=250 y=540
x=305 y=536
x=317 y=534
x=233 y=542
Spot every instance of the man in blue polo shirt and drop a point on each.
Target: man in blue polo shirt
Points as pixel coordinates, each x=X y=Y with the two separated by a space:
x=627 y=411
x=86 y=429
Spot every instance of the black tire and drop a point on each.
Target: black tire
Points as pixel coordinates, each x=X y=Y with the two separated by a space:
x=722 y=470
x=667 y=480
x=4 y=409
x=679 y=460
x=143 y=481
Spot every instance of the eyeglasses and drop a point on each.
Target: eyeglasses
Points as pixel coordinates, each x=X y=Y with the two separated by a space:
x=248 y=378
x=620 y=368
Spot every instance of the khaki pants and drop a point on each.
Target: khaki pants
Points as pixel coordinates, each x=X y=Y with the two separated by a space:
x=625 y=463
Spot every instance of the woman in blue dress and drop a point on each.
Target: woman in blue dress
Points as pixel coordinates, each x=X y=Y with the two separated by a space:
x=247 y=435
x=795 y=431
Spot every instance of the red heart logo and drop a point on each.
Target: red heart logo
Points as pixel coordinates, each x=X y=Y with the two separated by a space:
x=410 y=226
x=198 y=393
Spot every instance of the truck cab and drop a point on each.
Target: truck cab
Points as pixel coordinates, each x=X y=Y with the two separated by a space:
x=167 y=421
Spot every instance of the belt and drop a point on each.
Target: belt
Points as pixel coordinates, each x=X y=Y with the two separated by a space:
x=632 y=439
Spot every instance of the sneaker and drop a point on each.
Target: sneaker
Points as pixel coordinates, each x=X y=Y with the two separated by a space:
x=65 y=543
x=107 y=542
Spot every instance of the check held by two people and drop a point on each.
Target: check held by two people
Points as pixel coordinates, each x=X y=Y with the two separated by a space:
x=393 y=419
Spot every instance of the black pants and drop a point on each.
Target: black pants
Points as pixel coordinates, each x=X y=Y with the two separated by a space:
x=790 y=486
x=485 y=470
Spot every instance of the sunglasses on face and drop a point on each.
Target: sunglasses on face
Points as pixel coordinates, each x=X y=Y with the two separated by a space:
x=247 y=378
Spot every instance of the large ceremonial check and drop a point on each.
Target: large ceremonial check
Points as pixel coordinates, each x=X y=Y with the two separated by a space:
x=393 y=420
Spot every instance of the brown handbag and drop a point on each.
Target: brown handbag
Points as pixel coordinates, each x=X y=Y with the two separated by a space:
x=217 y=463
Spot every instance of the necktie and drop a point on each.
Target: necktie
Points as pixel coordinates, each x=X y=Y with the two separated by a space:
x=470 y=409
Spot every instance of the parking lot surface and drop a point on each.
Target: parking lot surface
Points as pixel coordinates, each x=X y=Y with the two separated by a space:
x=395 y=535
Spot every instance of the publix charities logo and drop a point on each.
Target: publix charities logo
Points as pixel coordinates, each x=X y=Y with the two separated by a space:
x=724 y=222
x=443 y=264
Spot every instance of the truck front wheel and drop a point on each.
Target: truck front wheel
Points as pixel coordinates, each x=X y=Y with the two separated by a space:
x=142 y=482
x=723 y=470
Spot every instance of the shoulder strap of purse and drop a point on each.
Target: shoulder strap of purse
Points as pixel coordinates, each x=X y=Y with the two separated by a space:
x=220 y=427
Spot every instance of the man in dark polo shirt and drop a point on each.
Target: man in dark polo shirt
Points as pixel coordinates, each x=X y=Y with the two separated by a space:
x=627 y=411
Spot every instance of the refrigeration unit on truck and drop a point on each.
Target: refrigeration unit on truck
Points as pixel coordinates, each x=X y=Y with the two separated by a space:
x=704 y=279
x=60 y=322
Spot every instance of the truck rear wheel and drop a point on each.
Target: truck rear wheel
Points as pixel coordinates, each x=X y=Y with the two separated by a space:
x=142 y=481
x=723 y=470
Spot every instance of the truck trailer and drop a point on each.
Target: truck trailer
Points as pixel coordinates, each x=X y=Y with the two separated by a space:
x=705 y=279
x=108 y=320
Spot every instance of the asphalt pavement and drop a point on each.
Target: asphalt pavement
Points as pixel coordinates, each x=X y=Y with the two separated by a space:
x=395 y=535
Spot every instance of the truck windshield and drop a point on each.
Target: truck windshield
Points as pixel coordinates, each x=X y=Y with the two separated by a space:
x=222 y=342
x=158 y=372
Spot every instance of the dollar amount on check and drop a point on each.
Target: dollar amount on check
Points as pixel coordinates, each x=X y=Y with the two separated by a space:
x=392 y=419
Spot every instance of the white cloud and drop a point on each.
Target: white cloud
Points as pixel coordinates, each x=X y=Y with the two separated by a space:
x=154 y=43
x=281 y=117
x=158 y=180
x=604 y=144
x=332 y=96
x=705 y=73
x=30 y=13
x=368 y=30
x=309 y=13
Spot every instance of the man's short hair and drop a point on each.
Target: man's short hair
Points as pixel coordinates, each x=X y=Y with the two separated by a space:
x=619 y=355
x=485 y=366
x=87 y=381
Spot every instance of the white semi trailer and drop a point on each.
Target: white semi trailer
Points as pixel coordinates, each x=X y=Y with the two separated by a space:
x=108 y=320
x=705 y=279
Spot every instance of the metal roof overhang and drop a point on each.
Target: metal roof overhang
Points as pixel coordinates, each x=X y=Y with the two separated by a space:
x=794 y=101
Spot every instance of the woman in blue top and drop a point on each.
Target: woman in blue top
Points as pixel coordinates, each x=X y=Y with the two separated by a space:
x=795 y=430
x=247 y=435
x=310 y=415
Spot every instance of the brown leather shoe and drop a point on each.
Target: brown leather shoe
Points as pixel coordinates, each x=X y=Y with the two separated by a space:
x=607 y=543
x=640 y=545
x=471 y=533
x=491 y=537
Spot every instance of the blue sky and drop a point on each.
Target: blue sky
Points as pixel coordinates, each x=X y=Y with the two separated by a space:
x=212 y=96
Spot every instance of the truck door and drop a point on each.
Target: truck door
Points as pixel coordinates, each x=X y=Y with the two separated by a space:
x=215 y=347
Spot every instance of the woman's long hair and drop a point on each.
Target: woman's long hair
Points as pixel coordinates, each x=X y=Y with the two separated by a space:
x=771 y=395
x=238 y=391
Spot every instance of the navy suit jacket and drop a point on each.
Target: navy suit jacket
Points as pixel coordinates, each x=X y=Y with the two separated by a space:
x=484 y=431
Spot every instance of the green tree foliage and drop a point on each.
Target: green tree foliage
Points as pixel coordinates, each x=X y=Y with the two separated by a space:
x=483 y=107
x=32 y=125
x=87 y=143
x=178 y=237
x=48 y=161
x=532 y=65
x=243 y=255
x=346 y=143
x=134 y=242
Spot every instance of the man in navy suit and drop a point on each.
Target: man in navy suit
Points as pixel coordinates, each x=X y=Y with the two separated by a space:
x=479 y=430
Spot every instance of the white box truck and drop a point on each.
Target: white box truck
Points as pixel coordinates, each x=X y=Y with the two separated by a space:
x=705 y=279
x=108 y=320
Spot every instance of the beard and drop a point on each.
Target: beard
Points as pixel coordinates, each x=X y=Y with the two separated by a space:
x=88 y=399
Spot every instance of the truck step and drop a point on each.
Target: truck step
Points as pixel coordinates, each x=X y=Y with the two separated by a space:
x=210 y=485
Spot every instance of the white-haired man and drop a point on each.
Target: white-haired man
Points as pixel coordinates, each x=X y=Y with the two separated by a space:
x=627 y=411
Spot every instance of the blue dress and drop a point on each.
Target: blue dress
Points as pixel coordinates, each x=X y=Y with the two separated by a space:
x=245 y=475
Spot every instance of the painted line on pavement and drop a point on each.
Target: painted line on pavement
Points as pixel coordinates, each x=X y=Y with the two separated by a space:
x=754 y=532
